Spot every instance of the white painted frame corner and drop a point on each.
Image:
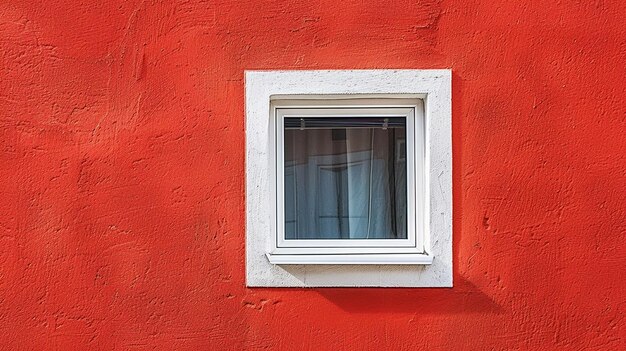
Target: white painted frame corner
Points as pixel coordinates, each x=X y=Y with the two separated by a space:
x=434 y=88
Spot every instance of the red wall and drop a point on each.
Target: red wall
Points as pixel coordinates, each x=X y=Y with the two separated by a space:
x=122 y=174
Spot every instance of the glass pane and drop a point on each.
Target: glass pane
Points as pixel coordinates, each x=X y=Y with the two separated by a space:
x=345 y=178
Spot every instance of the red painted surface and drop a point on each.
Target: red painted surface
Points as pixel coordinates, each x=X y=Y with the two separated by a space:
x=122 y=174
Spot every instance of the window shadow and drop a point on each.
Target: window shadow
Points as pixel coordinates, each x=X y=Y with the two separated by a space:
x=463 y=298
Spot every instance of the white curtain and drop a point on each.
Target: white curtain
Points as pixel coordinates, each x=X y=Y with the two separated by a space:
x=353 y=188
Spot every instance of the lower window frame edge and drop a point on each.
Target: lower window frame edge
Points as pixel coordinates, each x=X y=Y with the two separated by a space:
x=354 y=259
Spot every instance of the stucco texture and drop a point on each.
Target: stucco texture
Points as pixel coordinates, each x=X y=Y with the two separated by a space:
x=122 y=174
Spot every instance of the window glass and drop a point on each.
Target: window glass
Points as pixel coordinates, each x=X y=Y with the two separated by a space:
x=345 y=178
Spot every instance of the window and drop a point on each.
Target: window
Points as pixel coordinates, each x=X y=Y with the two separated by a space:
x=340 y=168
x=346 y=192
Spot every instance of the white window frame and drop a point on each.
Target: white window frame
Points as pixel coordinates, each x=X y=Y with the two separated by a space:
x=429 y=264
x=314 y=251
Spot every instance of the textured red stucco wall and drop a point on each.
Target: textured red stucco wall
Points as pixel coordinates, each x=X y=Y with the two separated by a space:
x=122 y=174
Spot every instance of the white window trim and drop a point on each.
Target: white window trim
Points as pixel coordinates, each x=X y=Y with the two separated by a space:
x=369 y=251
x=309 y=249
x=430 y=268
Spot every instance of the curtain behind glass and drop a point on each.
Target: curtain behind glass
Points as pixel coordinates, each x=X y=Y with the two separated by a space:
x=345 y=183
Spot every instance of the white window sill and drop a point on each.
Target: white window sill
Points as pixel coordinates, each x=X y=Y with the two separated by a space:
x=377 y=259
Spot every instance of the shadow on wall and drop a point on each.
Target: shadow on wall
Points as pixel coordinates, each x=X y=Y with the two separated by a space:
x=462 y=299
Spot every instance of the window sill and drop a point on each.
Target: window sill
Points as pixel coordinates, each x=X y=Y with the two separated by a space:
x=375 y=259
